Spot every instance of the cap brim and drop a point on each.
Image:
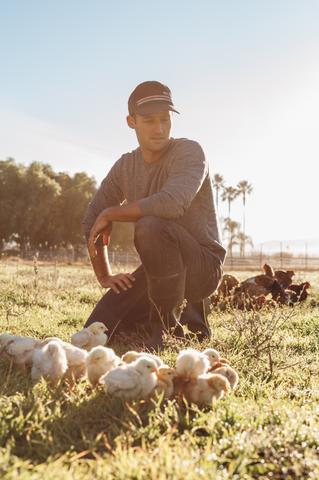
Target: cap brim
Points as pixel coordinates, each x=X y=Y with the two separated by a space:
x=155 y=107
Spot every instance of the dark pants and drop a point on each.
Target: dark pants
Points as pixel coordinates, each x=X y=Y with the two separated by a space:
x=165 y=249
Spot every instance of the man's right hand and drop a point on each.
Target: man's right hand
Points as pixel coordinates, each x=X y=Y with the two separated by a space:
x=118 y=282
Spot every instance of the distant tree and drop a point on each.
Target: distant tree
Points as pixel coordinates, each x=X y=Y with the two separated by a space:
x=232 y=228
x=218 y=183
x=40 y=206
x=243 y=240
x=76 y=193
x=35 y=204
x=229 y=194
x=11 y=186
x=244 y=189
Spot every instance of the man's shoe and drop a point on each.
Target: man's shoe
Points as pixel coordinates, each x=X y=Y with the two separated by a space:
x=166 y=295
x=161 y=324
x=195 y=317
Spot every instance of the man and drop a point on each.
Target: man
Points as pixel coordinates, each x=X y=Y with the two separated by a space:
x=164 y=186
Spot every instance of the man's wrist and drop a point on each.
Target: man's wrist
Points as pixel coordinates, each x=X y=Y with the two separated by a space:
x=107 y=214
x=103 y=277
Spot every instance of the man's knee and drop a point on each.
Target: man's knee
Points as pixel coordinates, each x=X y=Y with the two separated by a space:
x=148 y=229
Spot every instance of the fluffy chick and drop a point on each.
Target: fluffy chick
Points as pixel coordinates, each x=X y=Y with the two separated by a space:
x=134 y=381
x=231 y=375
x=5 y=338
x=190 y=364
x=76 y=358
x=90 y=337
x=49 y=362
x=132 y=355
x=19 y=349
x=165 y=381
x=207 y=388
x=100 y=360
x=214 y=358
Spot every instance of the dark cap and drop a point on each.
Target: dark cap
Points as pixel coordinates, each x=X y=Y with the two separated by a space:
x=150 y=97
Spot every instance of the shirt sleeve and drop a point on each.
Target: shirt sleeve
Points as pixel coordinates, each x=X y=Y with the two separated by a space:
x=109 y=194
x=186 y=176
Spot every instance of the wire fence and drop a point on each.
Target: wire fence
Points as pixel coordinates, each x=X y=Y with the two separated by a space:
x=120 y=259
x=255 y=262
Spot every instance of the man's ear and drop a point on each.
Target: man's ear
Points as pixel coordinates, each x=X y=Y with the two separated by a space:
x=131 y=121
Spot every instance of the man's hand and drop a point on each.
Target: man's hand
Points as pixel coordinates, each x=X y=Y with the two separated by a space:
x=124 y=213
x=121 y=281
x=101 y=226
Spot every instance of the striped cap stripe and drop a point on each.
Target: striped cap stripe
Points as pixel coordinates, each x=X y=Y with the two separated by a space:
x=152 y=98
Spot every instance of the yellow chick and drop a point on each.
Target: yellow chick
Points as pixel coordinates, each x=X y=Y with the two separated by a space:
x=132 y=355
x=92 y=336
x=214 y=358
x=100 y=360
x=76 y=358
x=165 y=380
x=231 y=375
x=133 y=381
x=5 y=338
x=206 y=389
x=19 y=349
x=190 y=364
x=49 y=362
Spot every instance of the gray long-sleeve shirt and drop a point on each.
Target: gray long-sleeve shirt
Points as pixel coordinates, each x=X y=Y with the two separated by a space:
x=178 y=187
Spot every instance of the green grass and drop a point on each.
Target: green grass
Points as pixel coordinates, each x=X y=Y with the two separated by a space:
x=268 y=428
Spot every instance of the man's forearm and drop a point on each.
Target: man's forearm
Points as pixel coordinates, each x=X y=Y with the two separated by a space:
x=100 y=262
x=125 y=213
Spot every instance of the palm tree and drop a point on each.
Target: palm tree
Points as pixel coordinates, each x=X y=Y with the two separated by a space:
x=243 y=240
x=229 y=194
x=244 y=189
x=232 y=228
x=218 y=184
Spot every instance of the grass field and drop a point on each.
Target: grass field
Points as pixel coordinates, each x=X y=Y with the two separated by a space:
x=268 y=428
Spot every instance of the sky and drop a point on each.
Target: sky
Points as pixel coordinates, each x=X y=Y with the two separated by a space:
x=244 y=75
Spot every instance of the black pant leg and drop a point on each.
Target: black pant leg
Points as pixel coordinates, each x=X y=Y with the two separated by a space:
x=166 y=248
x=120 y=312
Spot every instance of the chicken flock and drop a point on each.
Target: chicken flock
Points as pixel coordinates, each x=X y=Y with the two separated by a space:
x=199 y=377
x=269 y=289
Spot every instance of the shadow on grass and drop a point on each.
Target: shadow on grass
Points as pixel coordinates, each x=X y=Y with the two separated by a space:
x=13 y=380
x=93 y=426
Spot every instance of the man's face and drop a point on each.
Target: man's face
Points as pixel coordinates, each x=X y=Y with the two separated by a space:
x=152 y=131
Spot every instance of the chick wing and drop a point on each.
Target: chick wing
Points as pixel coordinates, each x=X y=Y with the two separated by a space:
x=123 y=382
x=82 y=339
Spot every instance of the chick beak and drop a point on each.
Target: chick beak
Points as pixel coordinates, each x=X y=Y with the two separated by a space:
x=216 y=365
x=154 y=369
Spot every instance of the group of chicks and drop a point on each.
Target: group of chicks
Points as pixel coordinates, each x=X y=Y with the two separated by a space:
x=200 y=377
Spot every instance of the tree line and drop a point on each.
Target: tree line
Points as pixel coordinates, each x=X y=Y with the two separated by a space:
x=42 y=208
